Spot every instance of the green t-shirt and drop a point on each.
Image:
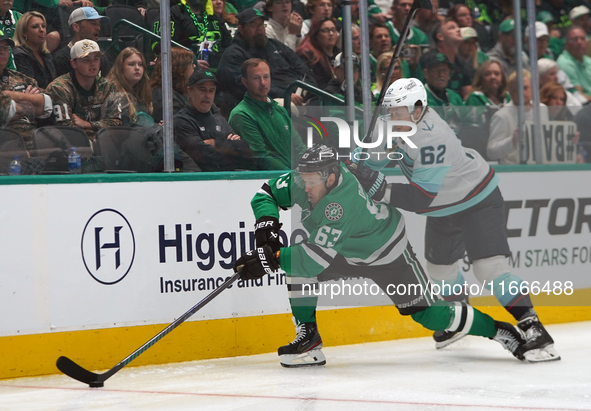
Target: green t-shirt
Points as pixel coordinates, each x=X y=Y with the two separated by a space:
x=415 y=36
x=481 y=107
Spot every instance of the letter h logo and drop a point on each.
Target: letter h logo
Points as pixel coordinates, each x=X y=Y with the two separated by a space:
x=99 y=247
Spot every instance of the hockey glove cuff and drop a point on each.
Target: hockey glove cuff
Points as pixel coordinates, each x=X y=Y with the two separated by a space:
x=256 y=263
x=266 y=232
x=374 y=182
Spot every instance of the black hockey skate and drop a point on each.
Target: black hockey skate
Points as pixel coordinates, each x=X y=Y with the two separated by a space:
x=305 y=350
x=539 y=346
x=510 y=338
x=445 y=338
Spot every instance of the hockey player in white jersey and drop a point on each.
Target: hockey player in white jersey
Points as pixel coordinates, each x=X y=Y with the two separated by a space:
x=458 y=192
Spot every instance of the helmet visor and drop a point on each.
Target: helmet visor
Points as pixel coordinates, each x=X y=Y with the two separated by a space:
x=307 y=180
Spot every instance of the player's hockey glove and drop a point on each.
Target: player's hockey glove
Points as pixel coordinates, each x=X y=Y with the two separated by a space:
x=256 y=263
x=266 y=232
x=374 y=182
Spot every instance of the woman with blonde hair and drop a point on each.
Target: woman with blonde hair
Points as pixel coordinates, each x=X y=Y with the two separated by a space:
x=182 y=68
x=130 y=74
x=554 y=96
x=383 y=65
x=31 y=55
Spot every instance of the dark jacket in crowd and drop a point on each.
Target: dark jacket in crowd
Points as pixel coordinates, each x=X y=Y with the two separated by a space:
x=61 y=60
x=27 y=64
x=192 y=127
x=336 y=88
x=320 y=72
x=285 y=66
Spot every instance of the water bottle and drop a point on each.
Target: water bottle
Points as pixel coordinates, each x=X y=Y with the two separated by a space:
x=14 y=169
x=205 y=53
x=74 y=162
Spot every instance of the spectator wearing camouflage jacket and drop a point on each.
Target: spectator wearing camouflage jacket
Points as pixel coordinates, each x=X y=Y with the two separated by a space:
x=84 y=99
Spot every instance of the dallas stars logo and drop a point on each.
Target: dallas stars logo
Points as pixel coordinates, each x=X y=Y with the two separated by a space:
x=334 y=211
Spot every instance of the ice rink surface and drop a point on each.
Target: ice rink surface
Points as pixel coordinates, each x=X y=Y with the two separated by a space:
x=473 y=374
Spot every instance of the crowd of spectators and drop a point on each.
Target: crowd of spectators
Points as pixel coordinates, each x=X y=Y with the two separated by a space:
x=58 y=68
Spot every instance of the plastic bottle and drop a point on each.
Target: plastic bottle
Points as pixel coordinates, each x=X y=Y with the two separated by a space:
x=14 y=169
x=74 y=162
x=205 y=53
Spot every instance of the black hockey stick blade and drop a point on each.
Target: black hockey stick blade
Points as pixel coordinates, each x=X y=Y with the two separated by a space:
x=73 y=370
x=77 y=372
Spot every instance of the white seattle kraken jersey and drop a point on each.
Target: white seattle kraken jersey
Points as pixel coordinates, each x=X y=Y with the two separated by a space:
x=457 y=177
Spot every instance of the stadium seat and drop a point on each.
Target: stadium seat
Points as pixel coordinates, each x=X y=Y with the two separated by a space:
x=152 y=15
x=130 y=13
x=51 y=147
x=124 y=149
x=11 y=144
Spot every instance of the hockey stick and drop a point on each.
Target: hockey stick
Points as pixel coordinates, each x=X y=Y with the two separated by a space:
x=75 y=371
x=416 y=5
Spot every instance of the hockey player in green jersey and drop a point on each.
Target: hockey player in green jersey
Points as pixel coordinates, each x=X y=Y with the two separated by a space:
x=458 y=192
x=349 y=236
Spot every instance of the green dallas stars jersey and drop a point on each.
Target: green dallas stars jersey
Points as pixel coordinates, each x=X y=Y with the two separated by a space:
x=346 y=222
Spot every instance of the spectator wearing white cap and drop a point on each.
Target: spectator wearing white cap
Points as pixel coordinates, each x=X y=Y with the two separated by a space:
x=84 y=99
x=469 y=49
x=549 y=72
x=542 y=38
x=85 y=24
x=581 y=16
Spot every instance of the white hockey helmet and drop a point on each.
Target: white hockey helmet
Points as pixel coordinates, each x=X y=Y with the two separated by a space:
x=406 y=92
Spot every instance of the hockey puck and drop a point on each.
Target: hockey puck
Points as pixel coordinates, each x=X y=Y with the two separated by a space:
x=96 y=384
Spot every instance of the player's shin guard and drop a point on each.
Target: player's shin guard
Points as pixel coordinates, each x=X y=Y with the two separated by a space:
x=494 y=272
x=459 y=318
x=507 y=290
x=305 y=349
x=448 y=281
x=450 y=290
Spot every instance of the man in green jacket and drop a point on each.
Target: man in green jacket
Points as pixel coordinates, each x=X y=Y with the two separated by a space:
x=263 y=123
